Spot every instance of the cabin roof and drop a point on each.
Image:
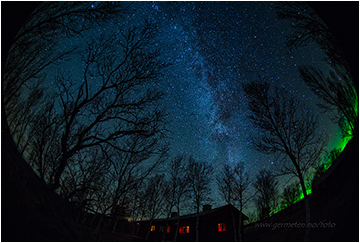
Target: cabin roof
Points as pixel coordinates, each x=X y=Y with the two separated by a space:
x=205 y=213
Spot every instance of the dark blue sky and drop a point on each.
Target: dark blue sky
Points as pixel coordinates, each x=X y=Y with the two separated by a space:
x=214 y=47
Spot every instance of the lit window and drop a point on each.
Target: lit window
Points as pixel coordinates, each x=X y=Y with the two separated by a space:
x=184 y=229
x=221 y=227
x=168 y=229
x=152 y=228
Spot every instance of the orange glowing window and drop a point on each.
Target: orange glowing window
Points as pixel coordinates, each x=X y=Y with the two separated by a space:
x=184 y=229
x=168 y=229
x=221 y=227
x=152 y=228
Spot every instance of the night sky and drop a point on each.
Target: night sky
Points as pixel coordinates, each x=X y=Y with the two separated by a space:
x=214 y=47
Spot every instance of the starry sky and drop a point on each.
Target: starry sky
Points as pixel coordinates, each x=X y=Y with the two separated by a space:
x=214 y=47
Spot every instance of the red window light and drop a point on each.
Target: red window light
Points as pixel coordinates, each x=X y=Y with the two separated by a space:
x=152 y=228
x=221 y=227
x=184 y=229
x=168 y=229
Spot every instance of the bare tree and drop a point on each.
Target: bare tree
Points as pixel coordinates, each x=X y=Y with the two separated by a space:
x=132 y=167
x=286 y=129
x=136 y=206
x=253 y=217
x=242 y=194
x=42 y=142
x=225 y=183
x=233 y=183
x=200 y=177
x=102 y=202
x=154 y=196
x=322 y=167
x=23 y=113
x=139 y=204
x=308 y=27
x=266 y=190
x=35 y=51
x=115 y=98
x=337 y=93
x=290 y=194
x=84 y=175
x=176 y=189
x=34 y=47
x=336 y=89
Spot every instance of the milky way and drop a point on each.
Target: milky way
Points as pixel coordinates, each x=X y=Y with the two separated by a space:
x=214 y=47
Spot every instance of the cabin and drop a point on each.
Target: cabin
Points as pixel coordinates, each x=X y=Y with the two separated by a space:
x=219 y=224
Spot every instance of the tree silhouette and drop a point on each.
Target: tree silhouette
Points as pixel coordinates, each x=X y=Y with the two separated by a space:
x=337 y=93
x=225 y=183
x=98 y=132
x=154 y=196
x=200 y=177
x=290 y=194
x=176 y=190
x=42 y=146
x=336 y=89
x=322 y=167
x=115 y=98
x=84 y=175
x=233 y=183
x=35 y=50
x=130 y=168
x=266 y=190
x=241 y=192
x=308 y=27
x=287 y=129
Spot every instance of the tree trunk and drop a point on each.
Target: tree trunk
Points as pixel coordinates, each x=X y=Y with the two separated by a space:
x=307 y=209
x=58 y=173
x=166 y=225
x=84 y=219
x=92 y=220
x=99 y=225
x=138 y=227
x=197 y=227
x=115 y=224
x=234 y=225
x=148 y=232
x=240 y=225
x=177 y=229
x=133 y=227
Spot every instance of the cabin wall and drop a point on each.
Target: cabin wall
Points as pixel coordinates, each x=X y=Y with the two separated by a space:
x=208 y=228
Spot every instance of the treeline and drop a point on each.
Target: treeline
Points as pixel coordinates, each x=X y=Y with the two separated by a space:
x=269 y=198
